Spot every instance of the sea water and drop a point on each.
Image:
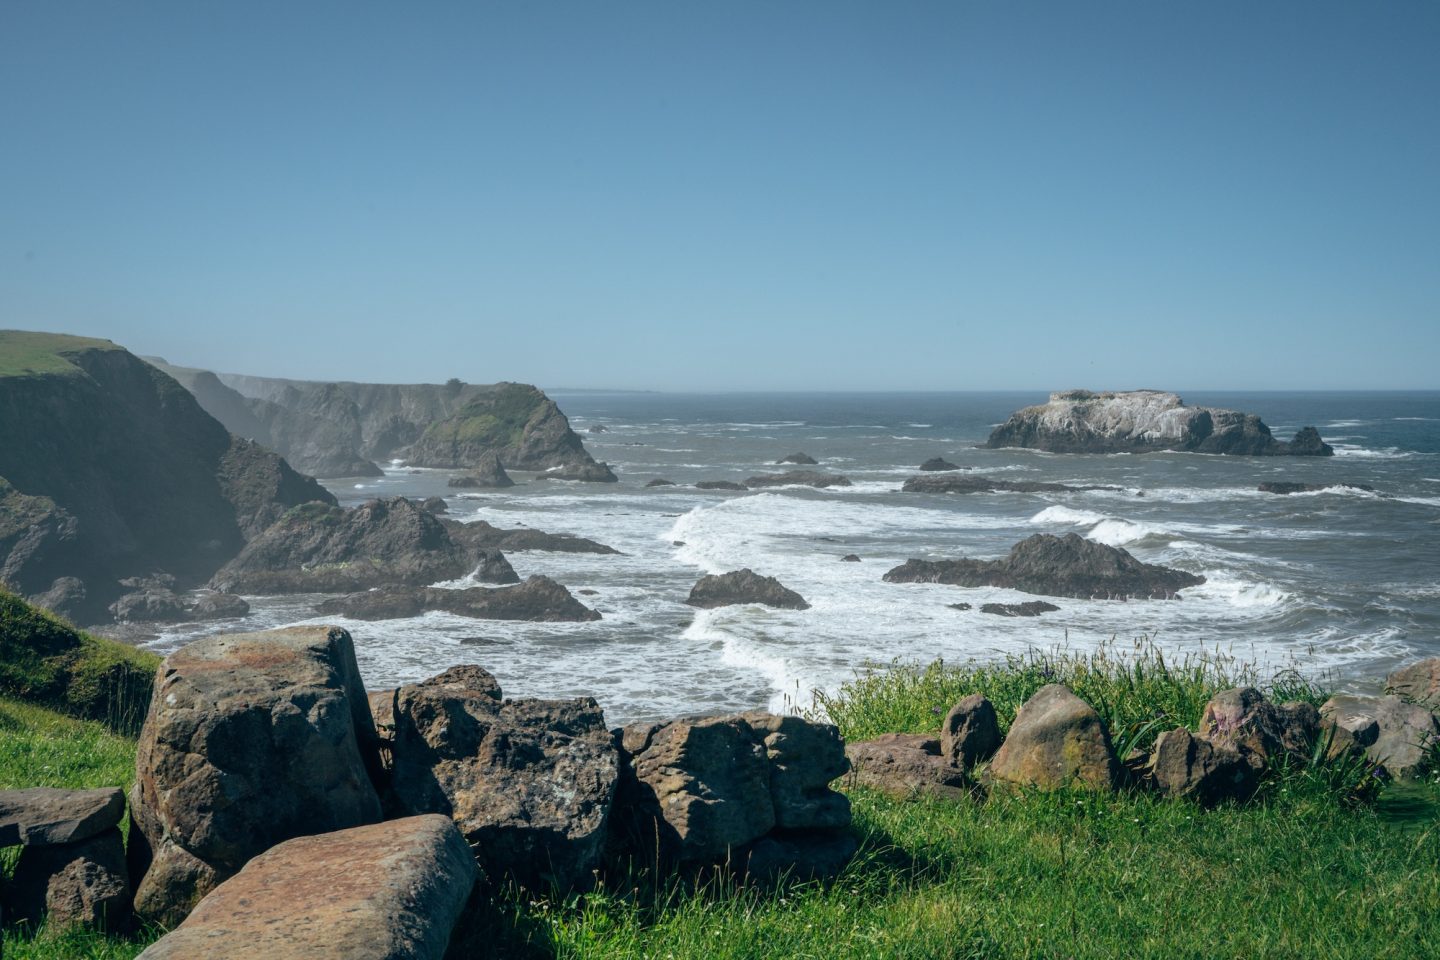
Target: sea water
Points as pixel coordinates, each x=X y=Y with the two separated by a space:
x=1342 y=584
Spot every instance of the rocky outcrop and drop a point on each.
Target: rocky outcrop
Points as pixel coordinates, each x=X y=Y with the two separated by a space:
x=477 y=535
x=1141 y=421
x=1030 y=608
x=1287 y=487
x=904 y=765
x=112 y=470
x=591 y=472
x=1417 y=682
x=802 y=459
x=1394 y=734
x=720 y=485
x=798 y=478
x=530 y=783
x=435 y=506
x=251 y=739
x=514 y=421
x=1057 y=740
x=389 y=890
x=538 y=599
x=212 y=605
x=975 y=484
x=1068 y=566
x=486 y=474
x=318 y=548
x=743 y=586
x=939 y=464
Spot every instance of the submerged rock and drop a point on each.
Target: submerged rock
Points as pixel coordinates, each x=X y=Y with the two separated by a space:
x=720 y=485
x=743 y=586
x=537 y=599
x=980 y=484
x=1139 y=421
x=1068 y=566
x=1286 y=487
x=804 y=478
x=939 y=463
x=1030 y=608
x=803 y=459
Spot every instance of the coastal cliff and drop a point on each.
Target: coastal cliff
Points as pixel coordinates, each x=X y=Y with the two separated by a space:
x=340 y=429
x=109 y=470
x=1140 y=421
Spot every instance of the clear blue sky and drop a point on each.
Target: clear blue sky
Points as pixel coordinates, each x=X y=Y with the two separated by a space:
x=733 y=195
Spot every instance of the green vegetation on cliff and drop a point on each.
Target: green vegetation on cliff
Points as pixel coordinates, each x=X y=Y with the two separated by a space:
x=495 y=419
x=24 y=353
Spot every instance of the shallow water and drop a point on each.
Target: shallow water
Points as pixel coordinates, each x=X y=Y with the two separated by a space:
x=1341 y=583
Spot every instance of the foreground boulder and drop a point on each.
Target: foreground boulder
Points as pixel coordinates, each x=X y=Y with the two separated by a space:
x=43 y=816
x=802 y=478
x=388 y=891
x=324 y=549
x=530 y=783
x=1068 y=566
x=1141 y=421
x=970 y=732
x=487 y=473
x=1184 y=765
x=1262 y=731
x=538 y=599
x=251 y=739
x=1057 y=740
x=83 y=883
x=1399 y=736
x=743 y=586
x=904 y=765
x=1417 y=682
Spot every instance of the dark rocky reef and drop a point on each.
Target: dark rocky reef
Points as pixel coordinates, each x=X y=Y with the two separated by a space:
x=1140 y=421
x=537 y=599
x=720 y=485
x=478 y=535
x=803 y=478
x=660 y=482
x=803 y=459
x=940 y=464
x=980 y=484
x=110 y=469
x=591 y=472
x=1285 y=487
x=1068 y=566
x=743 y=586
x=1030 y=608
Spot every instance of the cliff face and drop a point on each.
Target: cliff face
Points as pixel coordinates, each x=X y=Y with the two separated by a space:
x=340 y=429
x=111 y=469
x=1137 y=421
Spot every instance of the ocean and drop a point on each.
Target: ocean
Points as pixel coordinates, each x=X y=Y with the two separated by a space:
x=1341 y=585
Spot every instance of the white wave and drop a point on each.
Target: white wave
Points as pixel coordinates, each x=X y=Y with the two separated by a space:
x=1426 y=419
x=1237 y=593
x=1059 y=514
x=1370 y=453
x=1346 y=423
x=920 y=425
x=1423 y=501
x=1112 y=531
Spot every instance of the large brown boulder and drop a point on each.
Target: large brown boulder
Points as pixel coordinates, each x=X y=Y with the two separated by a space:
x=1057 y=740
x=388 y=891
x=1418 y=682
x=805 y=758
x=251 y=739
x=970 y=732
x=1399 y=736
x=904 y=765
x=1242 y=718
x=1184 y=765
x=529 y=783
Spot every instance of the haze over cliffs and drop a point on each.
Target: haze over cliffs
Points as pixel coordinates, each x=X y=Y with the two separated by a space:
x=340 y=429
x=109 y=470
x=1138 y=421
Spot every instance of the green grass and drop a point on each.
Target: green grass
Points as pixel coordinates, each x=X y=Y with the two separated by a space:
x=496 y=418
x=24 y=353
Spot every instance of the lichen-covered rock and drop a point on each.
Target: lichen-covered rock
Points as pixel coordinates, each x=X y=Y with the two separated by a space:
x=1405 y=733
x=970 y=732
x=530 y=783
x=1057 y=740
x=387 y=891
x=251 y=739
x=1184 y=765
x=904 y=765
x=1417 y=682
x=84 y=883
x=743 y=586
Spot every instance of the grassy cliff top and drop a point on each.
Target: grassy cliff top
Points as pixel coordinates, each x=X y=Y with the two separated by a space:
x=24 y=353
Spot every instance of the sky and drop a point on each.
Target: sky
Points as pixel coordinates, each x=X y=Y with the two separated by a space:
x=774 y=195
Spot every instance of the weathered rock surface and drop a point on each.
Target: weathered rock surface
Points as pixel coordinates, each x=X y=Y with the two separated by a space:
x=41 y=816
x=939 y=464
x=324 y=549
x=1030 y=608
x=805 y=758
x=1139 y=421
x=660 y=482
x=904 y=765
x=1184 y=765
x=84 y=883
x=1068 y=566
x=979 y=484
x=599 y=428
x=803 y=459
x=1419 y=682
x=538 y=599
x=530 y=783
x=1241 y=717
x=803 y=478
x=213 y=605
x=1395 y=734
x=66 y=597
x=156 y=605
x=1057 y=740
x=1286 y=487
x=387 y=891
x=970 y=732
x=720 y=485
x=486 y=472
x=477 y=535
x=251 y=739
x=743 y=586
x=435 y=506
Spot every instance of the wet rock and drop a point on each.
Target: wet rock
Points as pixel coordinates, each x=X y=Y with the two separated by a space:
x=1068 y=566
x=904 y=765
x=720 y=485
x=1030 y=608
x=477 y=536
x=939 y=464
x=658 y=482
x=803 y=459
x=1419 y=682
x=1407 y=734
x=41 y=816
x=538 y=599
x=434 y=506
x=980 y=484
x=84 y=883
x=1057 y=740
x=488 y=474
x=1184 y=765
x=491 y=566
x=970 y=732
x=850 y=558
x=219 y=606
x=958 y=606
x=251 y=739
x=1286 y=487
x=598 y=428
x=743 y=586
x=804 y=478
x=386 y=891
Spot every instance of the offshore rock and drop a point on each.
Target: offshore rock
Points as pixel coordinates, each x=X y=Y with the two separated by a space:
x=660 y=482
x=486 y=473
x=538 y=599
x=978 y=484
x=479 y=536
x=1057 y=740
x=589 y=472
x=1068 y=566
x=803 y=478
x=1285 y=487
x=434 y=506
x=1030 y=608
x=212 y=605
x=939 y=464
x=1140 y=421
x=743 y=586
x=803 y=459
x=720 y=485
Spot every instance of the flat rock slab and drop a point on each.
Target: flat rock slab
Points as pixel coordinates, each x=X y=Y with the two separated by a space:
x=45 y=815
x=389 y=891
x=905 y=764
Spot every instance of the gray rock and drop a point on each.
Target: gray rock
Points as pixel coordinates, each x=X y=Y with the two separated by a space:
x=803 y=459
x=805 y=758
x=970 y=732
x=487 y=473
x=388 y=891
x=1284 y=488
x=1418 y=682
x=660 y=482
x=904 y=765
x=979 y=484
x=804 y=478
x=84 y=883
x=479 y=536
x=1030 y=608
x=1184 y=765
x=1243 y=718
x=538 y=599
x=939 y=464
x=251 y=739
x=219 y=606
x=1057 y=740
x=41 y=816
x=720 y=485
x=1407 y=732
x=743 y=586
x=66 y=597
x=434 y=506
x=851 y=558
x=149 y=606
x=587 y=472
